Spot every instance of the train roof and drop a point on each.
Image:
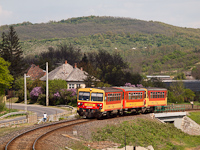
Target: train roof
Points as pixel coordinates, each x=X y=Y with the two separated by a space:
x=130 y=88
x=156 y=89
x=110 y=89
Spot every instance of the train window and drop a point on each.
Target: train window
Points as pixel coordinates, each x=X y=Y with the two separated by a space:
x=97 y=97
x=109 y=97
x=135 y=95
x=84 y=96
x=151 y=94
x=130 y=96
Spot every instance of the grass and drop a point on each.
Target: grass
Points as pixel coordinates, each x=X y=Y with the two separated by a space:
x=78 y=146
x=5 y=111
x=195 y=116
x=143 y=132
x=7 y=130
x=13 y=116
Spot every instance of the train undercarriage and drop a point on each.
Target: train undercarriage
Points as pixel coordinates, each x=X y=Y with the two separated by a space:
x=96 y=113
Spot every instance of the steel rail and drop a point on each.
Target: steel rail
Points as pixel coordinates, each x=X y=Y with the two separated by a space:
x=35 y=142
x=6 y=147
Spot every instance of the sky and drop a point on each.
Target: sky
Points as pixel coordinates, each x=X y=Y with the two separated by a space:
x=182 y=13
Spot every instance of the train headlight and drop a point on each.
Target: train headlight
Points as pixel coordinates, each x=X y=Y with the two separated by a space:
x=79 y=103
x=100 y=104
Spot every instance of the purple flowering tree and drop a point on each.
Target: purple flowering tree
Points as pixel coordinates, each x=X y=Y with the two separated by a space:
x=56 y=95
x=35 y=93
x=129 y=85
x=139 y=85
x=68 y=95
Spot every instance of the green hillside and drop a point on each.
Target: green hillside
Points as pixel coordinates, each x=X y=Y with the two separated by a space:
x=147 y=46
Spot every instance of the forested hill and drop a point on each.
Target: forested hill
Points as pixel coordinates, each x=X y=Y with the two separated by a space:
x=84 y=26
x=147 y=46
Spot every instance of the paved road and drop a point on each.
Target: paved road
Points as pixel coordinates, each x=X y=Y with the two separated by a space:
x=37 y=108
x=34 y=108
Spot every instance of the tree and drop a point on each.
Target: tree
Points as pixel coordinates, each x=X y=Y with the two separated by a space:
x=59 y=55
x=176 y=92
x=180 y=76
x=196 y=72
x=109 y=67
x=188 y=95
x=56 y=85
x=5 y=76
x=11 y=51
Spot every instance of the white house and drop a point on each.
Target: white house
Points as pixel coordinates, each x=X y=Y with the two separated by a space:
x=72 y=75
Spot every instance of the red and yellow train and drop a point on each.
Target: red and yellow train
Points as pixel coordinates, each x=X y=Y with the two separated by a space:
x=98 y=102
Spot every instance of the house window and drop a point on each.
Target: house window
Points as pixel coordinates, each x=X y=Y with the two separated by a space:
x=71 y=86
x=78 y=85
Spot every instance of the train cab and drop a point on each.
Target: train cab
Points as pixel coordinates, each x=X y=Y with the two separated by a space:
x=90 y=101
x=98 y=102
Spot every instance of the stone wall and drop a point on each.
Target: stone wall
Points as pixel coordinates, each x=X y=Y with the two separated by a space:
x=190 y=127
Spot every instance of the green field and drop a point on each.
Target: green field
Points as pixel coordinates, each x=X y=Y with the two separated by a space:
x=195 y=116
x=142 y=132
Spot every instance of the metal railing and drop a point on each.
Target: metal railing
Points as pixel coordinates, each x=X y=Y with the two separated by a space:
x=170 y=108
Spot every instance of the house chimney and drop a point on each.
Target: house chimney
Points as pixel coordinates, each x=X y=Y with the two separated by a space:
x=81 y=68
x=75 y=65
x=65 y=61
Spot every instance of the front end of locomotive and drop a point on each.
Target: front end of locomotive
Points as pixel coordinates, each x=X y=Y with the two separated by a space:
x=90 y=102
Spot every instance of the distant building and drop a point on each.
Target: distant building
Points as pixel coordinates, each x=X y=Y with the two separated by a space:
x=72 y=75
x=193 y=85
x=159 y=77
x=188 y=75
x=35 y=72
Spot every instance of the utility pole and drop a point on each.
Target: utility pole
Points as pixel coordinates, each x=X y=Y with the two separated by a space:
x=25 y=94
x=47 y=85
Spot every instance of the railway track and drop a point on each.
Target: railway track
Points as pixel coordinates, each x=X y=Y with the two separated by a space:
x=38 y=138
x=33 y=139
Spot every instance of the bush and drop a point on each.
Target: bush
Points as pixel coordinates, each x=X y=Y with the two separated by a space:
x=42 y=99
x=67 y=95
x=20 y=95
x=2 y=104
x=35 y=93
x=55 y=85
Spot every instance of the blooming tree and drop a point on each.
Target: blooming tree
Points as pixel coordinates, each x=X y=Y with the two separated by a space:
x=35 y=93
x=130 y=85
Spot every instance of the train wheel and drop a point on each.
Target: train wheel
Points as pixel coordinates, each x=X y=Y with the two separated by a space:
x=108 y=114
x=89 y=115
x=99 y=116
x=152 y=109
x=143 y=110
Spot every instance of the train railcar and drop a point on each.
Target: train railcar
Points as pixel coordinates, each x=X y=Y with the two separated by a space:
x=98 y=102
x=156 y=97
x=134 y=99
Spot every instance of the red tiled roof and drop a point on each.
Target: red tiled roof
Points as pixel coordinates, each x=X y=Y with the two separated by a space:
x=35 y=72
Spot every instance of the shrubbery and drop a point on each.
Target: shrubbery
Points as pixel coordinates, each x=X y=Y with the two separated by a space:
x=34 y=94
x=2 y=104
